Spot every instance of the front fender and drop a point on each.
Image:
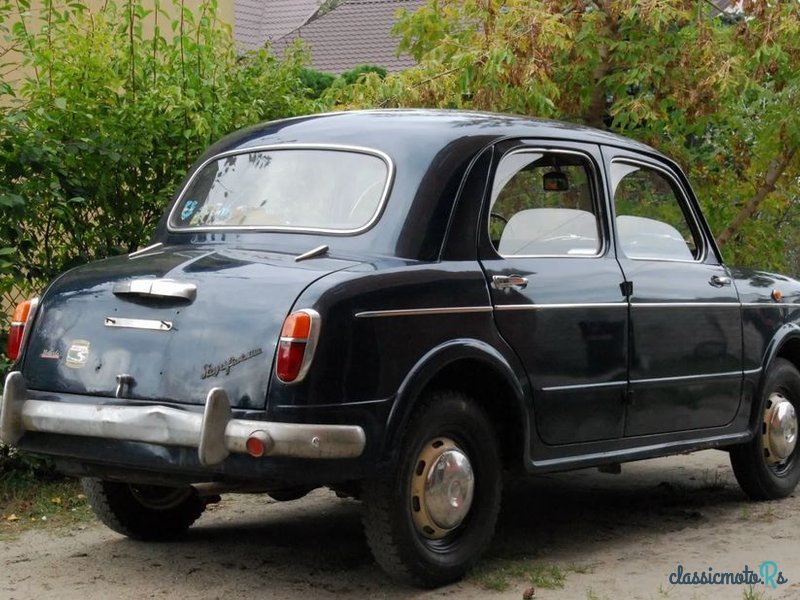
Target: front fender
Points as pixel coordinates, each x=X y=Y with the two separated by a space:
x=788 y=333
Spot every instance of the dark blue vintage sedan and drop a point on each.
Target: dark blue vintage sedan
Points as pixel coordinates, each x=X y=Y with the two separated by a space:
x=406 y=306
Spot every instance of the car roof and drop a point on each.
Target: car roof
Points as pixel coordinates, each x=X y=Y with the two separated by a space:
x=388 y=129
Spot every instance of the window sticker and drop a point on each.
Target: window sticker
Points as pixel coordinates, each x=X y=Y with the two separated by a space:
x=78 y=354
x=188 y=210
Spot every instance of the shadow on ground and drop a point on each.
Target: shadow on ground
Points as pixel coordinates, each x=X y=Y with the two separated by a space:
x=316 y=546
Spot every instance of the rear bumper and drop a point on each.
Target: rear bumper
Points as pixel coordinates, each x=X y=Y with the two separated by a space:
x=214 y=433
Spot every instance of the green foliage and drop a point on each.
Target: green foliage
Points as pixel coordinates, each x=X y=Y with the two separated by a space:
x=96 y=139
x=97 y=136
x=316 y=82
x=22 y=466
x=722 y=96
x=353 y=75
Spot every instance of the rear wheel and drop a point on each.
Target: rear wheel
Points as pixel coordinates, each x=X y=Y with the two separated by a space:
x=144 y=512
x=768 y=467
x=431 y=517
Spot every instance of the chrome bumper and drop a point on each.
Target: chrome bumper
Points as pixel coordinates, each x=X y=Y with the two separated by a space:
x=215 y=433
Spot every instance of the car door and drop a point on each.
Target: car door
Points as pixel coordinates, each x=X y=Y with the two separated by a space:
x=556 y=286
x=685 y=321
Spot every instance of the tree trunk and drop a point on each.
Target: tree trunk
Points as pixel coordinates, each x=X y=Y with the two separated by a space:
x=777 y=166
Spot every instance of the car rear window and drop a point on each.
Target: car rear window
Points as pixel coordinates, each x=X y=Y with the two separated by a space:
x=308 y=189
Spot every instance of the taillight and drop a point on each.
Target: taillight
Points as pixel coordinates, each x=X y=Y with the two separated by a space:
x=16 y=335
x=297 y=344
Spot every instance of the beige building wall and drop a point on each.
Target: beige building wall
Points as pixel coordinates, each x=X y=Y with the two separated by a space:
x=11 y=71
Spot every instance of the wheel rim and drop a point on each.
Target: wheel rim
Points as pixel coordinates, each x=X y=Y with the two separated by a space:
x=442 y=488
x=159 y=498
x=779 y=432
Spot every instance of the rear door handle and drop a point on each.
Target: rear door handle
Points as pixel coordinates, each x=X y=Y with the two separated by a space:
x=503 y=282
x=719 y=280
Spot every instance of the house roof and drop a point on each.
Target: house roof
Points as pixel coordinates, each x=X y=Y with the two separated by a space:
x=258 y=21
x=356 y=32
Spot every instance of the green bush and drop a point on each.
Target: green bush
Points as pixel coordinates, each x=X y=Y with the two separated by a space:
x=352 y=76
x=316 y=82
x=95 y=141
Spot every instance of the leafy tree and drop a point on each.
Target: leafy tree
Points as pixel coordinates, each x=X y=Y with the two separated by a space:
x=718 y=94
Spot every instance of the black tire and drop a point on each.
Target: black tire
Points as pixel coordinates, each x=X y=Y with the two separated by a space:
x=397 y=541
x=143 y=512
x=289 y=494
x=758 y=474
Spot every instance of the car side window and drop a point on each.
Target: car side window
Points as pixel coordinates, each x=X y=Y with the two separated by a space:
x=651 y=223
x=542 y=204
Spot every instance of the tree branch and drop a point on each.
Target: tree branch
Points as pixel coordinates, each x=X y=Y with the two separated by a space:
x=776 y=168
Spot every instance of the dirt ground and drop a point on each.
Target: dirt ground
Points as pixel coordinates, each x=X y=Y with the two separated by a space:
x=612 y=536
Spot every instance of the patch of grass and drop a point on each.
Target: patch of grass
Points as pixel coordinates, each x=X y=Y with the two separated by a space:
x=759 y=512
x=768 y=514
x=582 y=568
x=712 y=481
x=592 y=595
x=26 y=503
x=751 y=594
x=497 y=575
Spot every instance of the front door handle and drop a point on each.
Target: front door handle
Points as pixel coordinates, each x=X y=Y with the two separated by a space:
x=719 y=280
x=503 y=282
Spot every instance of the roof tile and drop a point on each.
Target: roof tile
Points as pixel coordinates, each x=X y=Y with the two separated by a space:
x=259 y=21
x=356 y=32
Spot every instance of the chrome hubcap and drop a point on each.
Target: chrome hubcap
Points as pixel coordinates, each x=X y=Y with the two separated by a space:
x=780 y=429
x=442 y=488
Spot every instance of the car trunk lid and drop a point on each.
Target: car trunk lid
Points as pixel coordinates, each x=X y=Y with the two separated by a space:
x=169 y=325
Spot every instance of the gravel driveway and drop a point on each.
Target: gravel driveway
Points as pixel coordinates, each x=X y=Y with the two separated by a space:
x=612 y=536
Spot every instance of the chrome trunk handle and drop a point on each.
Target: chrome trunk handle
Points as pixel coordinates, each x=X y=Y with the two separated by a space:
x=156 y=288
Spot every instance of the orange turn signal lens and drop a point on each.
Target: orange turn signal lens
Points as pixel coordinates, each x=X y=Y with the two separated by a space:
x=17 y=331
x=297 y=326
x=296 y=346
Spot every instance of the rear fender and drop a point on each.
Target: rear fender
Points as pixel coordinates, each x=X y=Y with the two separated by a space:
x=433 y=363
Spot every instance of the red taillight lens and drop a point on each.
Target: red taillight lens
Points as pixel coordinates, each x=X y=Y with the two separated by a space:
x=15 y=335
x=297 y=344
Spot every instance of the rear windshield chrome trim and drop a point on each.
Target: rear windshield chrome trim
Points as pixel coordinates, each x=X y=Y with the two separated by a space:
x=390 y=172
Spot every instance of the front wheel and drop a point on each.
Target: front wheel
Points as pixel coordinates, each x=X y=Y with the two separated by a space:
x=143 y=512
x=768 y=467
x=429 y=519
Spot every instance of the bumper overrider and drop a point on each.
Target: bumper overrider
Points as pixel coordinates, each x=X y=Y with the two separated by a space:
x=215 y=433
